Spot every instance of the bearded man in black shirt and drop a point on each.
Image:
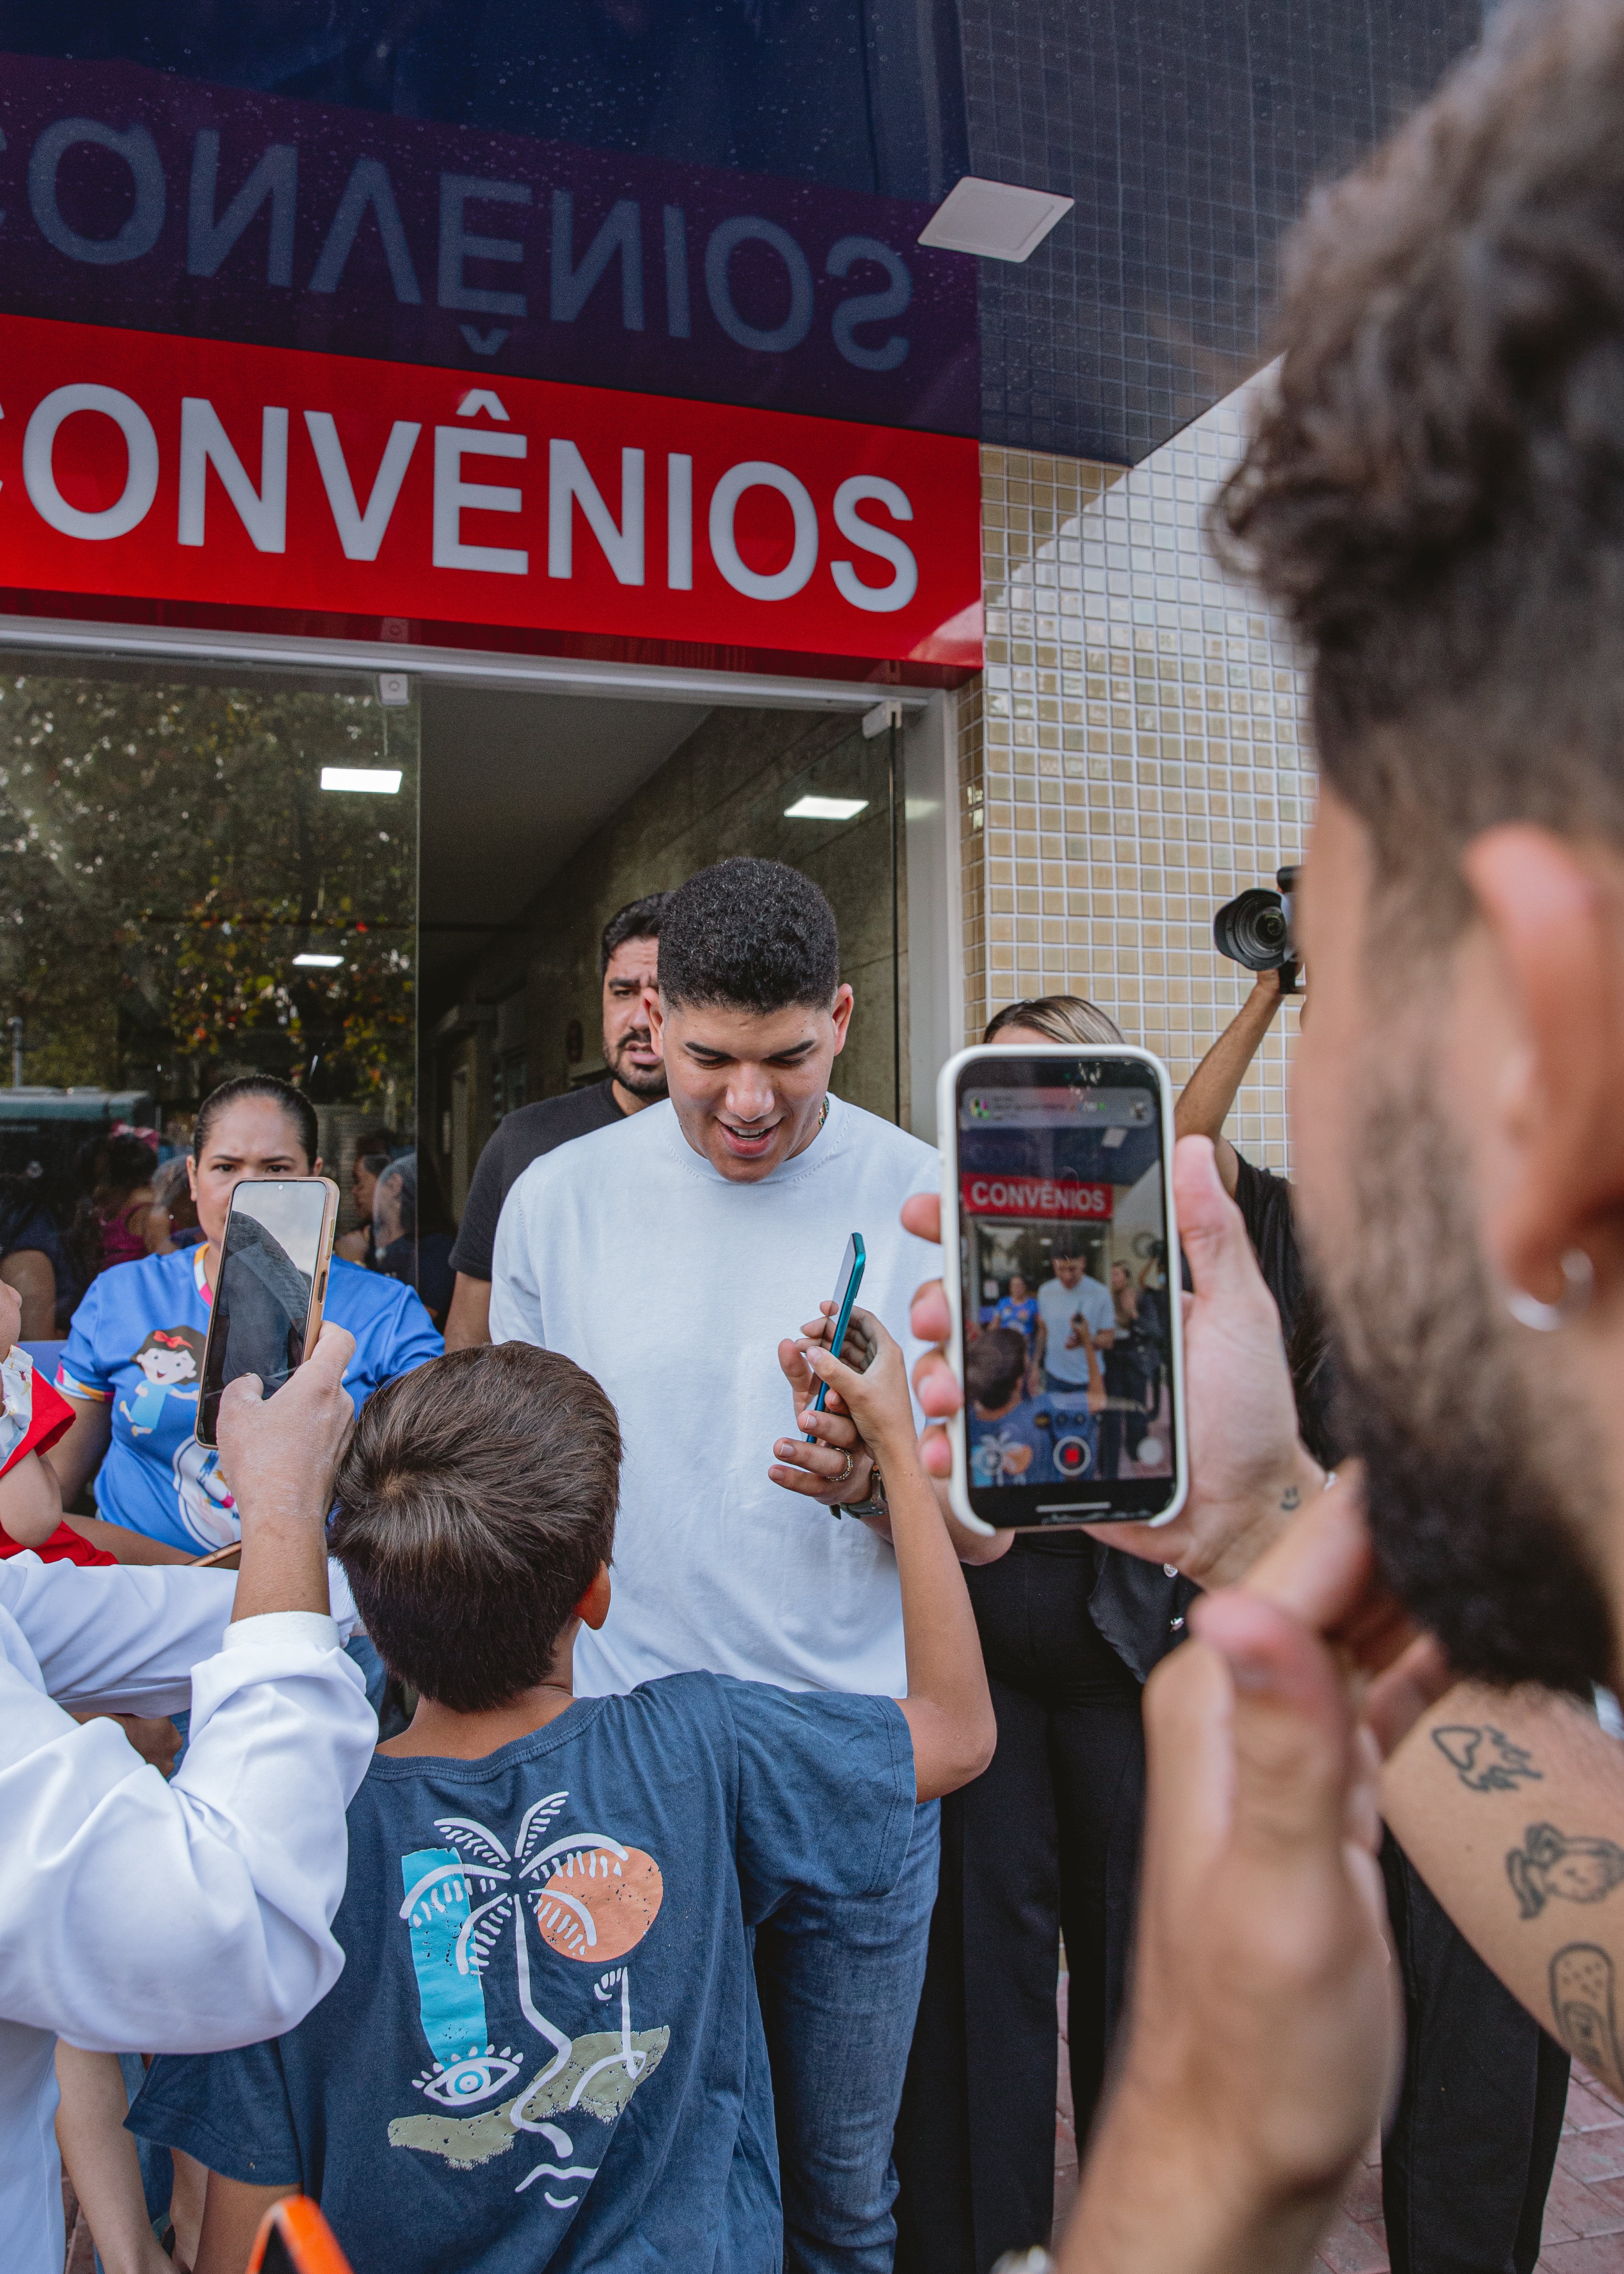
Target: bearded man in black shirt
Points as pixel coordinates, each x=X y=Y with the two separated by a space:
x=627 y=962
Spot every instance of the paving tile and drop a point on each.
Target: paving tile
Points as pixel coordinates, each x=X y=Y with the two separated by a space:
x=1588 y=2107
x=81 y=2255
x=1593 y=2156
x=1581 y=2208
x=1363 y=2200
x=1609 y=2186
x=1065 y=2195
x=1351 y=2248
x=1602 y=2254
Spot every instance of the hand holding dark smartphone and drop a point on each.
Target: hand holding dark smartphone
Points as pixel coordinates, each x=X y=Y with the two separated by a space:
x=270 y=1288
x=1062 y=1276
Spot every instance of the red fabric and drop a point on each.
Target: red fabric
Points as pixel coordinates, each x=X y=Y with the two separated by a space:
x=52 y=1418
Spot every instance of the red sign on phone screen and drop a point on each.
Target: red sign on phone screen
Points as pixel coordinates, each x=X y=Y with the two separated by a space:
x=1053 y=1199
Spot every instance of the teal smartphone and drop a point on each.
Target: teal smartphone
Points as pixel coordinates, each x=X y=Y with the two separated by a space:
x=845 y=1295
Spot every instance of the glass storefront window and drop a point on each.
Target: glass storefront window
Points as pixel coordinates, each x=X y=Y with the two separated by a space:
x=202 y=874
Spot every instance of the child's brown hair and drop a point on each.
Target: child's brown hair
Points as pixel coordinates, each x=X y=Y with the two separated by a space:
x=476 y=1503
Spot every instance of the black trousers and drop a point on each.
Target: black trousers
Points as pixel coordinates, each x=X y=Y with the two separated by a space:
x=1466 y=2160
x=1046 y=1842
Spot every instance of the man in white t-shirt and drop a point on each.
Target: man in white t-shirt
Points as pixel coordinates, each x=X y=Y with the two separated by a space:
x=1066 y=1304
x=670 y=1255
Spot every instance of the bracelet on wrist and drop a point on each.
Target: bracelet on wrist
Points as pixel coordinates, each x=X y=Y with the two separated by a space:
x=876 y=1504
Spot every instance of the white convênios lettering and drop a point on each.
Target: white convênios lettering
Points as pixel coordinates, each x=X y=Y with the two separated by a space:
x=1037 y=1196
x=132 y=506
x=361 y=533
x=362 y=527
x=569 y=483
x=263 y=512
x=782 y=584
x=877 y=600
x=453 y=497
x=679 y=521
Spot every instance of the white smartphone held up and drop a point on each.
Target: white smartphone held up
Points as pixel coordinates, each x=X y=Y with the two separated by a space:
x=1060 y=1254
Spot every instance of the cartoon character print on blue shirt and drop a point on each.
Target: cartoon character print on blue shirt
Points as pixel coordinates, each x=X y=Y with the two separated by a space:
x=469 y=1906
x=171 y=1361
x=1046 y=1439
x=137 y=1343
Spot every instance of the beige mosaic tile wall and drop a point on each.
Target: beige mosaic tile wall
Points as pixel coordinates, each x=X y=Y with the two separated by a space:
x=1132 y=756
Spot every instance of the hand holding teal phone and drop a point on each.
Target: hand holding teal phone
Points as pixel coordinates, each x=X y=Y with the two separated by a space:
x=845 y=1295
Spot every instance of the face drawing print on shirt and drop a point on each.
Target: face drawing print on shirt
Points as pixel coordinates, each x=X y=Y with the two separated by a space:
x=170 y=1363
x=593 y=1899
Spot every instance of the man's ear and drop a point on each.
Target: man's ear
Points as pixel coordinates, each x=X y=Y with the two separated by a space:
x=654 y=1012
x=840 y=1012
x=593 y=1608
x=1554 y=914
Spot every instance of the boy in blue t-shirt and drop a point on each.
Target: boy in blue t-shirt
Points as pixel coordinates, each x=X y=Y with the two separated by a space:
x=1015 y=1440
x=545 y=2049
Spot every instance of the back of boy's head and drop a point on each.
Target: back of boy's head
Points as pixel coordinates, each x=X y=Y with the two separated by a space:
x=994 y=1364
x=476 y=1503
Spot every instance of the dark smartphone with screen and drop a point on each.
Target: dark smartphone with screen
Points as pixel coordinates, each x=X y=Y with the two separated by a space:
x=1060 y=1254
x=845 y=1294
x=271 y=1286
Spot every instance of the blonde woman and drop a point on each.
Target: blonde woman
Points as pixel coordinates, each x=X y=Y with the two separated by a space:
x=1046 y=1841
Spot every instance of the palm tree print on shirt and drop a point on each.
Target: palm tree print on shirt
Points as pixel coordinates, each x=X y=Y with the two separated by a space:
x=593 y=1899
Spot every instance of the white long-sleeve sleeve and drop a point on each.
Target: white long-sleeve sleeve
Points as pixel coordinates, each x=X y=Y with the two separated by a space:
x=137 y=1915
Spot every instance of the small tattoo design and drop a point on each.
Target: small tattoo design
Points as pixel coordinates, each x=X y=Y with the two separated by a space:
x=1292 y=1497
x=1549 y=1864
x=1581 y=1986
x=1485 y=1760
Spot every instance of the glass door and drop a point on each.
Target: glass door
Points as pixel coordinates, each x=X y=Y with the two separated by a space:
x=203 y=873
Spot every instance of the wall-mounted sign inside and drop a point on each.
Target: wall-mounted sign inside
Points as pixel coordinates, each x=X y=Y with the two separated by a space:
x=136 y=464
x=139 y=197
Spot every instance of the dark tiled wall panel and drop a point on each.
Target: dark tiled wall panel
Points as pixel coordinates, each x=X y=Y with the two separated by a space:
x=1190 y=132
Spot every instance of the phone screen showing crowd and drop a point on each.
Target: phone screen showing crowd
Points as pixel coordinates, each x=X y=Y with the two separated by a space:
x=1064 y=1256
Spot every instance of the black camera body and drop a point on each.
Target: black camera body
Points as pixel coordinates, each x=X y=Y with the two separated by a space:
x=1255 y=930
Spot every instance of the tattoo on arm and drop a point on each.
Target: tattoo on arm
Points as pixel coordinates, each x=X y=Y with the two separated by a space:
x=1581 y=2000
x=1550 y=1863
x=1485 y=1759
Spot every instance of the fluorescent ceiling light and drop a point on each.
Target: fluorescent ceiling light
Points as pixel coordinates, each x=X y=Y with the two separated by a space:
x=318 y=962
x=1112 y=1137
x=826 y=809
x=996 y=220
x=383 y=781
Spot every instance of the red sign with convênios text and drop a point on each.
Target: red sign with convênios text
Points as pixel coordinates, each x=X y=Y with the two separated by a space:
x=1059 y=1199
x=145 y=464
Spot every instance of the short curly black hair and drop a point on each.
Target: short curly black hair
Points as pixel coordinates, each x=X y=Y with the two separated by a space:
x=1435 y=491
x=756 y=935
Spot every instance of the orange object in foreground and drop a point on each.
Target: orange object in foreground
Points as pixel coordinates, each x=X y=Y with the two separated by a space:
x=294 y=2239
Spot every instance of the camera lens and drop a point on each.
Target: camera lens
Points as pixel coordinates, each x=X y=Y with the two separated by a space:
x=1253 y=929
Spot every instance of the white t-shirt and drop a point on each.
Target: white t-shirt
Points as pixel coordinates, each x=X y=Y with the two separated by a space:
x=1057 y=1306
x=673 y=1286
